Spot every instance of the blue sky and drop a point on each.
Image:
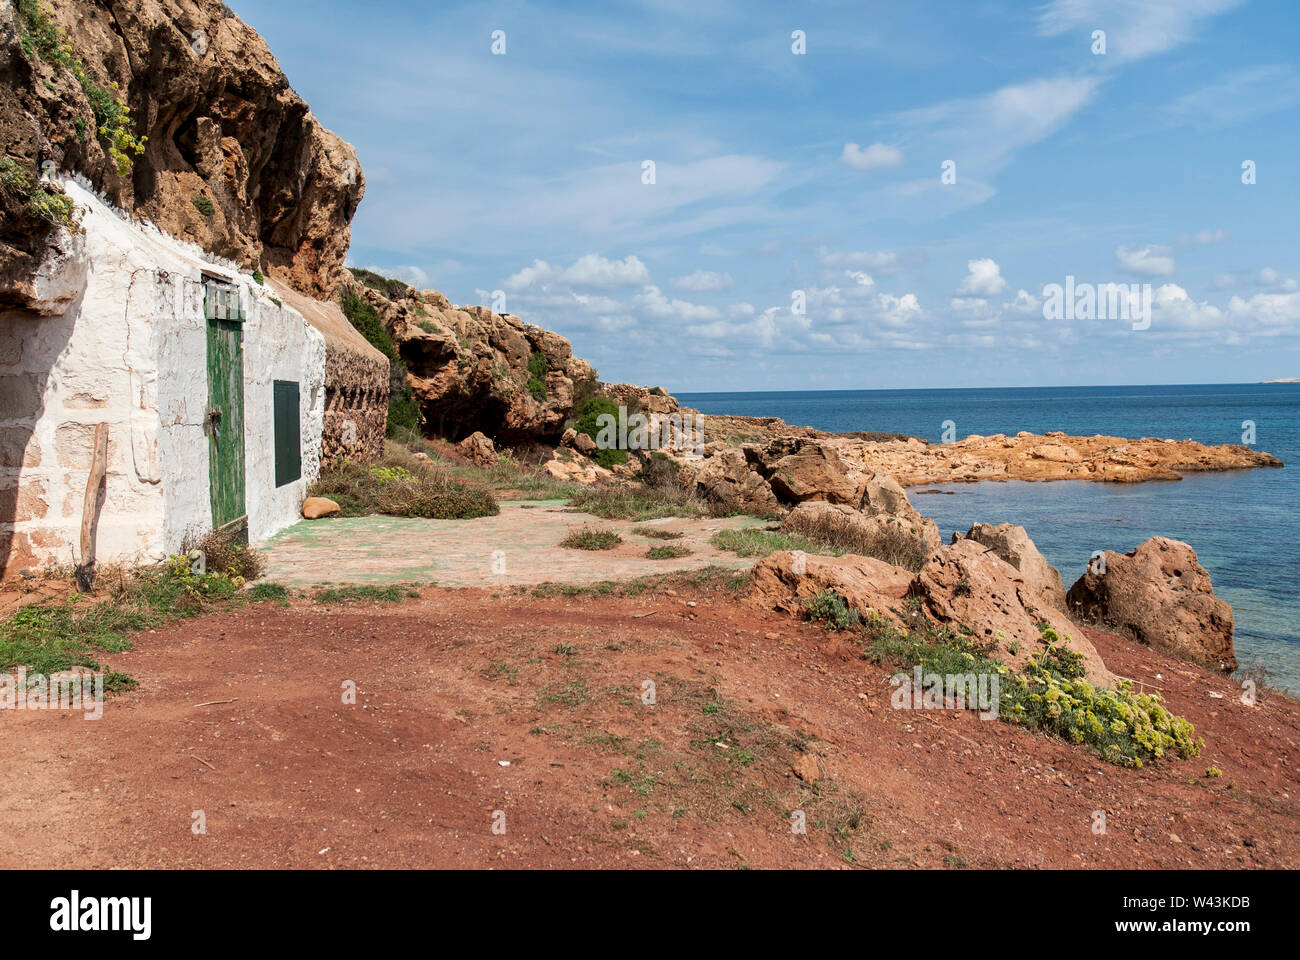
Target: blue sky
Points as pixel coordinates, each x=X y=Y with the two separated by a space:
x=820 y=172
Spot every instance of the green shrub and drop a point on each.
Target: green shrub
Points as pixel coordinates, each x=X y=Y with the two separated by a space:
x=537 y=369
x=586 y=422
x=635 y=502
x=669 y=552
x=390 y=288
x=413 y=489
x=1050 y=694
x=41 y=202
x=589 y=538
x=364 y=593
x=756 y=542
x=204 y=205
x=658 y=533
x=404 y=414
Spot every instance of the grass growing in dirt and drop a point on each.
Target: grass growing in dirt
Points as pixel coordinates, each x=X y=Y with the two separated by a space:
x=365 y=593
x=403 y=485
x=708 y=579
x=657 y=533
x=589 y=538
x=1050 y=694
x=78 y=631
x=670 y=552
x=757 y=542
x=223 y=552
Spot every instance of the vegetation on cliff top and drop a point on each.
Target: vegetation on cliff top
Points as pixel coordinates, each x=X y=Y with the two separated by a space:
x=42 y=38
x=403 y=412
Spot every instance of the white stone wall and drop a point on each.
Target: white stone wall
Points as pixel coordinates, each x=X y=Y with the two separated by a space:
x=130 y=350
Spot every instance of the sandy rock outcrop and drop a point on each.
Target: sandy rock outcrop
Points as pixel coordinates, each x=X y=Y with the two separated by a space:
x=276 y=191
x=1055 y=456
x=469 y=368
x=785 y=579
x=568 y=465
x=967 y=584
x=1012 y=544
x=727 y=477
x=803 y=469
x=314 y=508
x=1159 y=595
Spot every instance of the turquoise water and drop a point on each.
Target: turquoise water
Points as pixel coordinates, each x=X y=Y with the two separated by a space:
x=1243 y=525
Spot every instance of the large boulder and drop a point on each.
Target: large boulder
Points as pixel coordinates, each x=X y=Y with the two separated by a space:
x=727 y=478
x=1012 y=544
x=1159 y=595
x=966 y=584
x=802 y=469
x=479 y=449
x=785 y=579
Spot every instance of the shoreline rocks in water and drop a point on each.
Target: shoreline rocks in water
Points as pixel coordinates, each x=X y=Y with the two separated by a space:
x=1158 y=595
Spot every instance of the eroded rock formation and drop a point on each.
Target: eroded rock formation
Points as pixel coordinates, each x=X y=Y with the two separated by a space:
x=233 y=160
x=1012 y=544
x=1159 y=595
x=474 y=370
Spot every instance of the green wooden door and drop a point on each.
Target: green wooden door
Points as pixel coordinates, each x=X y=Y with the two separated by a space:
x=225 y=413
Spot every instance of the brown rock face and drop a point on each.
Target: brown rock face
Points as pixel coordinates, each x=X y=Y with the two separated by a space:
x=783 y=580
x=1160 y=595
x=1013 y=545
x=222 y=123
x=800 y=470
x=728 y=478
x=968 y=584
x=469 y=367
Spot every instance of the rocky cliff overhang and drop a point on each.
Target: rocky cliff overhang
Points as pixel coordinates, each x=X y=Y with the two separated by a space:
x=232 y=158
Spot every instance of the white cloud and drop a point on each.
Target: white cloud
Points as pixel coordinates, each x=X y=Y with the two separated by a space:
x=1201 y=238
x=1133 y=30
x=1151 y=260
x=984 y=279
x=881 y=261
x=875 y=157
x=1024 y=303
x=591 y=270
x=653 y=302
x=594 y=270
x=702 y=280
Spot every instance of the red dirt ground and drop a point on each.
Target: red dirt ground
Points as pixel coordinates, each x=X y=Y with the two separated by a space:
x=452 y=684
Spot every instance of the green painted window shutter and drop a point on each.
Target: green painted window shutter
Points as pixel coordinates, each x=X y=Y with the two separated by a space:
x=288 y=433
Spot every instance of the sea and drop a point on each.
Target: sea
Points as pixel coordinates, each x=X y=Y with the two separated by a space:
x=1244 y=525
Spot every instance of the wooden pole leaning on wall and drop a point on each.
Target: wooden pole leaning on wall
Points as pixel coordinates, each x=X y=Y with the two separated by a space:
x=85 y=572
